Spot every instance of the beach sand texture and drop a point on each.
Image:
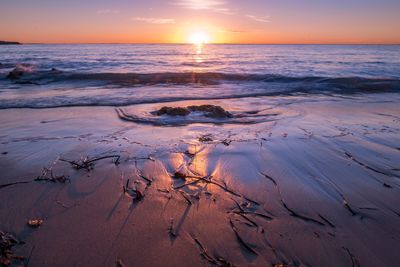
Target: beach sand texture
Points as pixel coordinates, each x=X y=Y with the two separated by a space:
x=315 y=182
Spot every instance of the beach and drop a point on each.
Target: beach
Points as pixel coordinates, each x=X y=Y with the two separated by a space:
x=109 y=166
x=303 y=188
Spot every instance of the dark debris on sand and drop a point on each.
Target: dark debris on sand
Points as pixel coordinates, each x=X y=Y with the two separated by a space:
x=218 y=261
x=240 y=239
x=206 y=138
x=88 y=164
x=119 y=263
x=48 y=176
x=7 y=256
x=34 y=223
x=133 y=191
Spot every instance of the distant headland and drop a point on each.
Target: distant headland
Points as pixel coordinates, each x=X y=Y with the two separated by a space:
x=9 y=43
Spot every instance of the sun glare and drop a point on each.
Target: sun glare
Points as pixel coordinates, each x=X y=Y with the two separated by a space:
x=199 y=38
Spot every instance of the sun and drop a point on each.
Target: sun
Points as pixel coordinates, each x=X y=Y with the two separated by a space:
x=199 y=38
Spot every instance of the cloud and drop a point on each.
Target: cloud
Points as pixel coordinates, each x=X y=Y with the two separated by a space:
x=154 y=20
x=200 y=4
x=264 y=19
x=225 y=11
x=108 y=11
x=212 y=5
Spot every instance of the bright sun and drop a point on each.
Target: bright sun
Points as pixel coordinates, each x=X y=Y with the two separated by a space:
x=199 y=38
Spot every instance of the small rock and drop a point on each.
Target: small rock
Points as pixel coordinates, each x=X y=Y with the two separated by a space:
x=172 y=111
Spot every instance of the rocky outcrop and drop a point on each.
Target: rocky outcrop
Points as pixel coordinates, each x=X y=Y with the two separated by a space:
x=211 y=111
x=208 y=111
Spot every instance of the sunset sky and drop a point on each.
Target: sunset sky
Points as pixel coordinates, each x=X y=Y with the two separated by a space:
x=214 y=21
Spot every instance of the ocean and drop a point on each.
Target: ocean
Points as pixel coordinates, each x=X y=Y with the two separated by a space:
x=48 y=76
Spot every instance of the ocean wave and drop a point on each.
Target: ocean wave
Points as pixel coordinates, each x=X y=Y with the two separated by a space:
x=54 y=88
x=25 y=74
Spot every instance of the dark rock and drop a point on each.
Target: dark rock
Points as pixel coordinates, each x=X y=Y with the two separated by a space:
x=19 y=71
x=172 y=111
x=211 y=111
x=208 y=111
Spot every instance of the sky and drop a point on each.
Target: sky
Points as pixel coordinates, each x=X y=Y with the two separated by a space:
x=211 y=21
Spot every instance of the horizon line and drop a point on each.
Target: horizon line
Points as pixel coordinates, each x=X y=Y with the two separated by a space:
x=161 y=43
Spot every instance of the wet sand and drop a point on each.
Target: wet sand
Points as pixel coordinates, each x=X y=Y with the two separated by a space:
x=312 y=182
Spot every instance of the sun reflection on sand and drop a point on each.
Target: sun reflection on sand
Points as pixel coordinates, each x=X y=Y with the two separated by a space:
x=199 y=163
x=192 y=161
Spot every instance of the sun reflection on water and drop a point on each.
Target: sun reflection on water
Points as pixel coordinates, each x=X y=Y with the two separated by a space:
x=199 y=53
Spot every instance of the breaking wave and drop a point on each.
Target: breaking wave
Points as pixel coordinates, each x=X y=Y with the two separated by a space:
x=55 y=88
x=26 y=73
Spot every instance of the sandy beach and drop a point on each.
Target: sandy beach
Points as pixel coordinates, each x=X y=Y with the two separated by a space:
x=302 y=182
